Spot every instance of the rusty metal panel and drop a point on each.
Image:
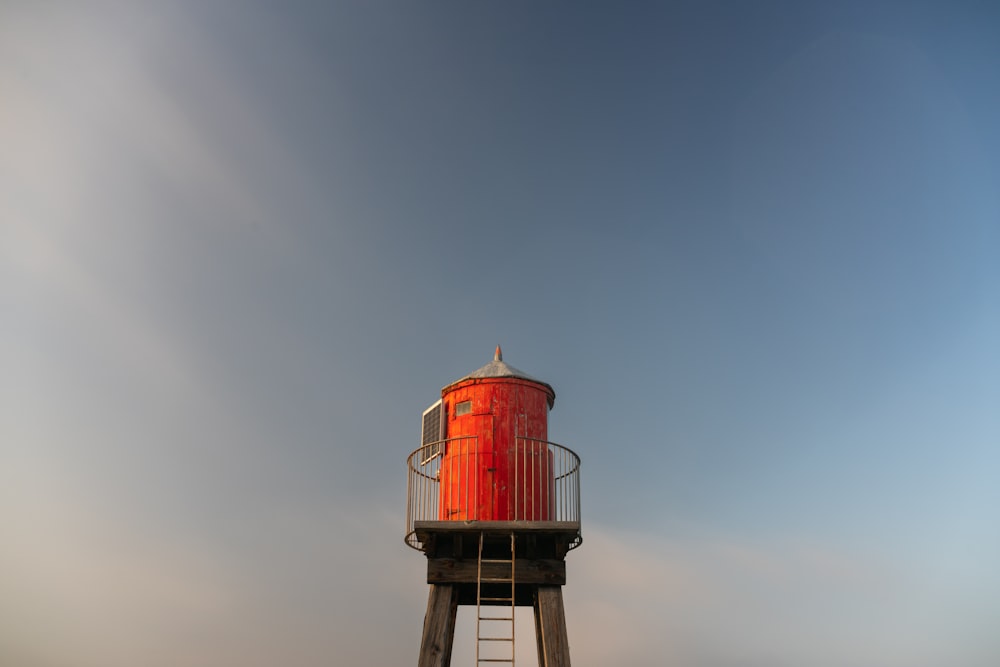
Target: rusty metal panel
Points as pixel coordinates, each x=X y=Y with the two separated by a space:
x=497 y=465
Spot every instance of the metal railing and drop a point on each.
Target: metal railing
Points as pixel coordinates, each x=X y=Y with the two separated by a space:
x=458 y=480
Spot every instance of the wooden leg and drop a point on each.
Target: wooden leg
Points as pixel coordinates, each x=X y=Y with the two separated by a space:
x=439 y=626
x=550 y=627
x=538 y=632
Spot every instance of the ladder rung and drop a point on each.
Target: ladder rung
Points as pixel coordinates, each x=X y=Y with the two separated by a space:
x=496 y=580
x=497 y=599
x=496 y=618
x=510 y=660
x=497 y=560
x=495 y=639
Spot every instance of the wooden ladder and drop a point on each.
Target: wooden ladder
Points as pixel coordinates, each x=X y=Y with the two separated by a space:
x=497 y=628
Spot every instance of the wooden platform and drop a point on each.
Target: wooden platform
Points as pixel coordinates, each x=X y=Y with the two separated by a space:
x=452 y=550
x=460 y=539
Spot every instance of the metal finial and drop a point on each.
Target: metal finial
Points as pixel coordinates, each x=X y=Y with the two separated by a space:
x=498 y=355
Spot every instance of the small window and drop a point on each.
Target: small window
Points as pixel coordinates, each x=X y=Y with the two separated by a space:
x=463 y=408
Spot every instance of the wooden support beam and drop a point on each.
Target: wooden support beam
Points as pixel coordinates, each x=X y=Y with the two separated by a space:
x=439 y=626
x=550 y=627
x=539 y=649
x=550 y=572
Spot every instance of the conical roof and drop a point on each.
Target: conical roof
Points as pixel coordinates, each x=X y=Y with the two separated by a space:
x=498 y=368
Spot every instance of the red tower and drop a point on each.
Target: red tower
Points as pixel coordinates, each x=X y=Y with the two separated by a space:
x=497 y=466
x=495 y=507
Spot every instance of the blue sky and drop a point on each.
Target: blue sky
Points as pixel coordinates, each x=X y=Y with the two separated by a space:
x=755 y=248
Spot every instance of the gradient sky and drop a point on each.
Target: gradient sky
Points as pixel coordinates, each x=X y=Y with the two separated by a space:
x=755 y=247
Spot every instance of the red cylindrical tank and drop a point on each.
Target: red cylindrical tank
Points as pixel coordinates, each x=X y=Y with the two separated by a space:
x=497 y=465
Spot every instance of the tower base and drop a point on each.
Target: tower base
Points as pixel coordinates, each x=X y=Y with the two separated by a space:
x=462 y=557
x=442 y=609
